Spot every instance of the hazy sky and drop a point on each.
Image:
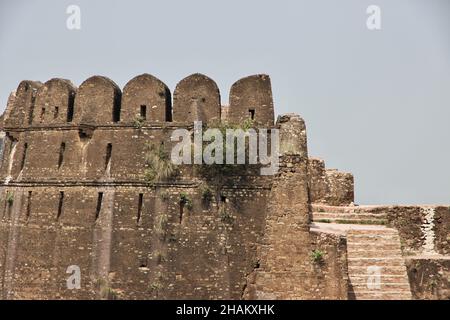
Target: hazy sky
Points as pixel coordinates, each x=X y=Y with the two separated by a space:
x=376 y=103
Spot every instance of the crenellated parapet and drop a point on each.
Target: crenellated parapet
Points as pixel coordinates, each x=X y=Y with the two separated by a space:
x=145 y=100
x=57 y=132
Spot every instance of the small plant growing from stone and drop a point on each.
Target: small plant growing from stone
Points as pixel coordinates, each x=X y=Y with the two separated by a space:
x=159 y=166
x=10 y=198
x=172 y=238
x=317 y=256
x=155 y=286
x=159 y=257
x=207 y=194
x=138 y=121
x=106 y=292
x=225 y=216
x=164 y=195
x=186 y=200
x=161 y=225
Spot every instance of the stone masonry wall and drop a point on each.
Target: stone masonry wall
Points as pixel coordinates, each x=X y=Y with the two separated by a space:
x=329 y=186
x=285 y=269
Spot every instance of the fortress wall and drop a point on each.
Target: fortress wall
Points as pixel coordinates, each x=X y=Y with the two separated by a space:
x=146 y=99
x=423 y=230
x=329 y=186
x=134 y=254
x=251 y=97
x=441 y=220
x=318 y=187
x=283 y=253
x=429 y=278
x=141 y=241
x=330 y=274
x=203 y=255
x=54 y=103
x=284 y=268
x=62 y=155
x=47 y=241
x=216 y=247
x=340 y=187
x=196 y=98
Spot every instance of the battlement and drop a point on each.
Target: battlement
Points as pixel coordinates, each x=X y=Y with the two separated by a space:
x=144 y=99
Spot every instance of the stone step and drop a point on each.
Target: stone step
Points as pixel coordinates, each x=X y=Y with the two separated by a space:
x=384 y=277
x=372 y=238
x=389 y=270
x=373 y=253
x=358 y=287
x=381 y=260
x=349 y=218
x=380 y=232
x=376 y=248
x=333 y=215
x=382 y=250
x=342 y=209
x=384 y=295
x=374 y=245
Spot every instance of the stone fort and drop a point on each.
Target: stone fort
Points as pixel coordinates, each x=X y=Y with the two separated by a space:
x=74 y=192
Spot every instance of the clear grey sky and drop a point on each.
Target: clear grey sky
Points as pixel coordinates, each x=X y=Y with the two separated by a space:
x=376 y=103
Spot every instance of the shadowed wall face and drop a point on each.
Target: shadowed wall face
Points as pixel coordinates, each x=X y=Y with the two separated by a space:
x=97 y=101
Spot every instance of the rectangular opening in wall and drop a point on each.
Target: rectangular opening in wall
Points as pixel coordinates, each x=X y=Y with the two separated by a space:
x=99 y=205
x=9 y=200
x=30 y=112
x=42 y=114
x=252 y=113
x=60 y=205
x=24 y=156
x=70 y=107
x=143 y=112
x=108 y=155
x=28 y=212
x=55 y=113
x=116 y=108
x=140 y=203
x=181 y=211
x=62 y=148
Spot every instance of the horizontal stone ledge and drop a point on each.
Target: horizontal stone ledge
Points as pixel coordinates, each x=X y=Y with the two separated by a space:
x=89 y=183
x=155 y=125
x=185 y=184
x=148 y=125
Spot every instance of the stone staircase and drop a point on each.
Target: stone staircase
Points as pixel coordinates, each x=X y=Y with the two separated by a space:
x=347 y=215
x=376 y=267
